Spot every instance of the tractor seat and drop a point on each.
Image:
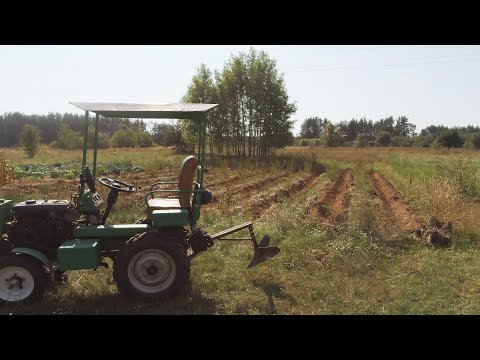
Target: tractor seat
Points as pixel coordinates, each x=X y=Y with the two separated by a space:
x=185 y=183
x=164 y=203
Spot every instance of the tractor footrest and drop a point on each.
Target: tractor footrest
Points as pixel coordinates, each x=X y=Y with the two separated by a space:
x=231 y=230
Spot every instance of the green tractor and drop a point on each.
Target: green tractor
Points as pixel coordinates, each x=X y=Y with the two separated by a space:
x=41 y=239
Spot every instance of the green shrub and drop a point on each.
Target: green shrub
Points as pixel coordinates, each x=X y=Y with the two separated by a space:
x=124 y=138
x=330 y=136
x=68 y=139
x=383 y=139
x=449 y=139
x=103 y=141
x=128 y=138
x=29 y=139
x=360 y=140
x=145 y=140
x=472 y=141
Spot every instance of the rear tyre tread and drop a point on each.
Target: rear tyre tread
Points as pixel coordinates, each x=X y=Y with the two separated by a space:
x=171 y=242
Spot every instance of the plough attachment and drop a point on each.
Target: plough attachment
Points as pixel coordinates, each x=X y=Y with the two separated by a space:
x=262 y=251
x=200 y=241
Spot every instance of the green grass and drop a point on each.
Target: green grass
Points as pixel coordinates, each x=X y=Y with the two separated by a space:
x=366 y=265
x=49 y=155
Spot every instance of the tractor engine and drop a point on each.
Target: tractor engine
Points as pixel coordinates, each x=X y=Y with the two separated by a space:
x=41 y=225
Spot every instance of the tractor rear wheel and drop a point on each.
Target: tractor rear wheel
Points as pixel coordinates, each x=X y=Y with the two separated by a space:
x=152 y=265
x=22 y=279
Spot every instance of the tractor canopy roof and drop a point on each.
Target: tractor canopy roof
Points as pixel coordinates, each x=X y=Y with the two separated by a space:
x=147 y=111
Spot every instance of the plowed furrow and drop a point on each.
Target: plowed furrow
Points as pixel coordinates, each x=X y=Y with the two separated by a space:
x=219 y=183
x=262 y=205
x=242 y=190
x=435 y=232
x=401 y=210
x=335 y=201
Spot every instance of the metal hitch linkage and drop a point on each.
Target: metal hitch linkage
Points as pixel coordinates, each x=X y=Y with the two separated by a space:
x=262 y=252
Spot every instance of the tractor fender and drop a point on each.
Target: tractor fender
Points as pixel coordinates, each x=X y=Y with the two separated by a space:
x=34 y=253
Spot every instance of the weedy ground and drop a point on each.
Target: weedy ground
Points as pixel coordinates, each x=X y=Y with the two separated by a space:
x=343 y=250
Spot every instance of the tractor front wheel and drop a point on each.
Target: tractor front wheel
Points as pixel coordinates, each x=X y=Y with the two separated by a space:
x=152 y=265
x=22 y=279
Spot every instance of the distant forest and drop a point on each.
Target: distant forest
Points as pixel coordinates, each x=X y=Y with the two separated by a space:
x=49 y=125
x=388 y=131
x=253 y=118
x=65 y=131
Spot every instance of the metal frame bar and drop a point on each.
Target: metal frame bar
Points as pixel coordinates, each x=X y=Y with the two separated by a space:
x=95 y=146
x=170 y=183
x=199 y=147
x=85 y=136
x=196 y=203
x=221 y=235
x=203 y=130
x=170 y=191
x=195 y=191
x=84 y=158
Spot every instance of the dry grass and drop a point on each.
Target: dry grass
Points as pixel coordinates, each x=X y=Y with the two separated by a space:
x=7 y=171
x=364 y=265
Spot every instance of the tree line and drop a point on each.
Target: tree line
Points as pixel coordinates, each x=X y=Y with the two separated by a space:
x=62 y=129
x=252 y=119
x=388 y=131
x=253 y=116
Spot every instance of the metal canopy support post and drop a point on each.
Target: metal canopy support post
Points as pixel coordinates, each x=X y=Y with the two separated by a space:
x=84 y=159
x=203 y=130
x=95 y=146
x=201 y=126
x=199 y=151
x=85 y=135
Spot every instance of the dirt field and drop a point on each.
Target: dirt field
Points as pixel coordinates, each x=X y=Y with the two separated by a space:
x=375 y=230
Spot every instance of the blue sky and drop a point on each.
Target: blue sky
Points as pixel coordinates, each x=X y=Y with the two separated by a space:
x=428 y=84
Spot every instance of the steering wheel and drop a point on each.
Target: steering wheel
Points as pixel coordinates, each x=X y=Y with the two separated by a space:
x=117 y=185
